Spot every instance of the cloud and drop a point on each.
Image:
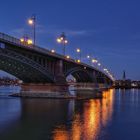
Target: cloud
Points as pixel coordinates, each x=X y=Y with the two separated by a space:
x=54 y=30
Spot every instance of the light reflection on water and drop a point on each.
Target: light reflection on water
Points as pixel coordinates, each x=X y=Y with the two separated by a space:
x=114 y=117
x=88 y=124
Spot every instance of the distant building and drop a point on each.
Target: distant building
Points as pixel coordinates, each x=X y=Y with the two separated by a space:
x=123 y=83
x=124 y=75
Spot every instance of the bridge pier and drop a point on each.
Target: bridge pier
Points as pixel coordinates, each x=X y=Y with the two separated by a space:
x=59 y=73
x=67 y=91
x=44 y=90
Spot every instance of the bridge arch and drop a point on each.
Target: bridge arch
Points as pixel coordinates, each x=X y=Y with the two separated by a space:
x=80 y=74
x=23 y=68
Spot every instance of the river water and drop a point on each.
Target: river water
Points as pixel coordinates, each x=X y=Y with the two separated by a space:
x=115 y=117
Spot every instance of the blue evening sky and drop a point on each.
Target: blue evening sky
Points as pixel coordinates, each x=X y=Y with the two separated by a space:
x=106 y=29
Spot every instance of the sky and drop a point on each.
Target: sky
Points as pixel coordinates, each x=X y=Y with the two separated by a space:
x=106 y=29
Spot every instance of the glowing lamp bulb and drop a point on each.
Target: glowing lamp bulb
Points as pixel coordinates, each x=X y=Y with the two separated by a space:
x=93 y=61
x=53 y=51
x=78 y=50
x=61 y=38
x=58 y=40
x=78 y=61
x=29 y=41
x=30 y=21
x=66 y=41
x=22 y=40
x=67 y=56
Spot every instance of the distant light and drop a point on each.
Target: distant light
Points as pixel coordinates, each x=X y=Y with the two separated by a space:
x=88 y=56
x=78 y=61
x=68 y=57
x=78 y=50
x=53 y=51
x=22 y=40
x=85 y=67
x=99 y=64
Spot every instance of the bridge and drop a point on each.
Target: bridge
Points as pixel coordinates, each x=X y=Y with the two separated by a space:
x=33 y=64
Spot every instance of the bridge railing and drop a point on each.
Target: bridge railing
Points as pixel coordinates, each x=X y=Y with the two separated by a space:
x=16 y=41
x=13 y=40
x=9 y=38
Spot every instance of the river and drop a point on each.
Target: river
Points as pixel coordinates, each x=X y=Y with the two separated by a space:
x=115 y=117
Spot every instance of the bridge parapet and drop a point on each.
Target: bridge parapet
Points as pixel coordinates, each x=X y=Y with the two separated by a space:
x=7 y=38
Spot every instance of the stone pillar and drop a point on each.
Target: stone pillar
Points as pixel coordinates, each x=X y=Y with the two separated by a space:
x=59 y=73
x=95 y=76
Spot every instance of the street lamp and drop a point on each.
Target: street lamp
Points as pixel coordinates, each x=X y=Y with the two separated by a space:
x=104 y=69
x=89 y=58
x=26 y=40
x=94 y=61
x=32 y=22
x=68 y=57
x=99 y=64
x=79 y=51
x=78 y=60
x=62 y=40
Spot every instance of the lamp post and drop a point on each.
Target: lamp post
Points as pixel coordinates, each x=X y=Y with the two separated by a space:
x=89 y=58
x=63 y=40
x=79 y=51
x=32 y=22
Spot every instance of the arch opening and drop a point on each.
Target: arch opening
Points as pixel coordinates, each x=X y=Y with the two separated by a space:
x=79 y=75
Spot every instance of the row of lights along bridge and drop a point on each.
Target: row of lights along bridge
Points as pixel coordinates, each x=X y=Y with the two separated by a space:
x=62 y=40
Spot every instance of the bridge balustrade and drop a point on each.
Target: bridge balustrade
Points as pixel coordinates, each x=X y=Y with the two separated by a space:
x=9 y=39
